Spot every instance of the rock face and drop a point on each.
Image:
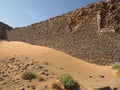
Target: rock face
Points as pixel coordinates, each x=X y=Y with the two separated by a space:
x=3 y=28
x=91 y=33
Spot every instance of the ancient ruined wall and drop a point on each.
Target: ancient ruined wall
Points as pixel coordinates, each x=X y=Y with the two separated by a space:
x=83 y=33
x=86 y=43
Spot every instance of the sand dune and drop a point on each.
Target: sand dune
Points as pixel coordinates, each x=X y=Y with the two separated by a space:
x=88 y=75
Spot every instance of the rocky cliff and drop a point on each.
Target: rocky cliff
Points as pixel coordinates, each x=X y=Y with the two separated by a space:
x=91 y=33
x=3 y=28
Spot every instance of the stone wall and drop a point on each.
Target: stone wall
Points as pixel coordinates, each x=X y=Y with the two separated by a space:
x=84 y=33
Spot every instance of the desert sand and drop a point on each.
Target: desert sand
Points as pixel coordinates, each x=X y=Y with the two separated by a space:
x=88 y=75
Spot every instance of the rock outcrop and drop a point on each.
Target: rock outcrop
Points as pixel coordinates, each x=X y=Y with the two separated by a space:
x=3 y=28
x=91 y=33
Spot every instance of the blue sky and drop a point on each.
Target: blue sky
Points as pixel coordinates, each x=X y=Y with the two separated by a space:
x=19 y=13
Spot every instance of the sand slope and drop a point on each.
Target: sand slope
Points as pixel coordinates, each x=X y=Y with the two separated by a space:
x=89 y=75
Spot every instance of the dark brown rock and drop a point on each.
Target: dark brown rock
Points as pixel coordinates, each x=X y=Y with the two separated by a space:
x=103 y=88
x=22 y=88
x=3 y=28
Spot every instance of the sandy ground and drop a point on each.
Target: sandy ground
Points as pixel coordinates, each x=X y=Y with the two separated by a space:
x=86 y=74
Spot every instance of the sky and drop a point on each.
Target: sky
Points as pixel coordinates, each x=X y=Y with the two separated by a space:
x=20 y=13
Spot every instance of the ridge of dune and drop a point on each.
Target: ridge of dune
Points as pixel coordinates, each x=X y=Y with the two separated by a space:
x=89 y=75
x=21 y=48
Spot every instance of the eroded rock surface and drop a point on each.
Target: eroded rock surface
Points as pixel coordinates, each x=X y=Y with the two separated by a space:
x=3 y=28
x=90 y=33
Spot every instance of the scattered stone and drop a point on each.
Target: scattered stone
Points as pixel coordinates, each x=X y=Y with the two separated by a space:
x=11 y=69
x=53 y=73
x=26 y=58
x=28 y=86
x=103 y=88
x=44 y=87
x=115 y=88
x=46 y=74
x=90 y=76
x=61 y=68
x=46 y=70
x=22 y=88
x=1 y=79
x=25 y=67
x=31 y=63
x=17 y=79
x=102 y=76
x=2 y=83
x=46 y=63
x=39 y=67
x=33 y=87
x=42 y=72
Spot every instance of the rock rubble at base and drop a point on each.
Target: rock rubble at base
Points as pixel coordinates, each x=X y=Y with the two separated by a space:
x=12 y=69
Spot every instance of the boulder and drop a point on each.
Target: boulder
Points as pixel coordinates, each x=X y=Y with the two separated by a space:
x=104 y=88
